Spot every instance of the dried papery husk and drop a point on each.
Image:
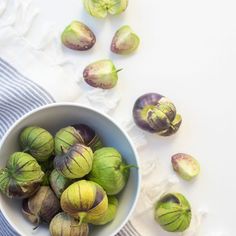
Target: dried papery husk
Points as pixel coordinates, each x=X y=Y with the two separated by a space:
x=41 y=207
x=64 y=225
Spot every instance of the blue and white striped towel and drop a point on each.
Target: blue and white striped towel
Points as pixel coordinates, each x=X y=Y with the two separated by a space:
x=19 y=95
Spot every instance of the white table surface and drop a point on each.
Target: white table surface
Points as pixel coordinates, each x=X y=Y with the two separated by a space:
x=188 y=53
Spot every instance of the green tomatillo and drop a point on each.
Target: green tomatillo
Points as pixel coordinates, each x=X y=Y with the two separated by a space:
x=76 y=162
x=109 y=170
x=22 y=176
x=65 y=138
x=47 y=167
x=58 y=182
x=84 y=200
x=110 y=213
x=77 y=133
x=38 y=142
x=100 y=8
x=173 y=212
x=90 y=137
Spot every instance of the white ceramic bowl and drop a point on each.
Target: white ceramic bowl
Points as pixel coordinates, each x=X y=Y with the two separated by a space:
x=55 y=116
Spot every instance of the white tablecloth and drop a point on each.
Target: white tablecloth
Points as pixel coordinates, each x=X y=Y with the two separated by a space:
x=181 y=56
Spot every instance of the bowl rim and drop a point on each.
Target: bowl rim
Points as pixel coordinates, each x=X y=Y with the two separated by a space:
x=76 y=105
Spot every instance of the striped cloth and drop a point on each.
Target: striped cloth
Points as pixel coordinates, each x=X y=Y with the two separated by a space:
x=19 y=95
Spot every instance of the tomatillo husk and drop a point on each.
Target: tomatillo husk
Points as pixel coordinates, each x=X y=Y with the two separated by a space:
x=58 y=182
x=173 y=212
x=90 y=138
x=101 y=8
x=45 y=181
x=47 y=167
x=41 y=207
x=84 y=200
x=110 y=213
x=75 y=162
x=109 y=170
x=22 y=176
x=38 y=142
x=63 y=224
x=156 y=114
x=77 y=133
x=65 y=138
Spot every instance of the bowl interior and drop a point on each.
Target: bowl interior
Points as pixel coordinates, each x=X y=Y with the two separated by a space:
x=52 y=118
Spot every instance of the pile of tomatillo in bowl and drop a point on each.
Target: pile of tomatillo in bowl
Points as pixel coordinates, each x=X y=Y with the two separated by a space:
x=68 y=181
